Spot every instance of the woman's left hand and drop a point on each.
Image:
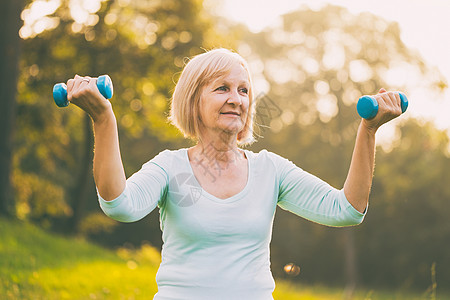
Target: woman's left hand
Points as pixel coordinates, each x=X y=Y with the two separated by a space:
x=389 y=107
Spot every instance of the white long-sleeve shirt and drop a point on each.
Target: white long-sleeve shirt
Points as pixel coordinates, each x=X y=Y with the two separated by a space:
x=219 y=248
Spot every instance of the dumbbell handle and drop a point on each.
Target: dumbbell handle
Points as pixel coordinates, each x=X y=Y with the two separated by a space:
x=104 y=85
x=367 y=106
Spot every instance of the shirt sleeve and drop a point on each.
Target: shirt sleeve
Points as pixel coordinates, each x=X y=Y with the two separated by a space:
x=311 y=198
x=144 y=191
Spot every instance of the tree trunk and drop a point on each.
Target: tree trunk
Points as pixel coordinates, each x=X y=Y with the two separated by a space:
x=10 y=23
x=351 y=271
x=81 y=192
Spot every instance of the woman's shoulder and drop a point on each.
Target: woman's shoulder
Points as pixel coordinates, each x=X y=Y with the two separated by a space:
x=167 y=158
x=265 y=156
x=267 y=160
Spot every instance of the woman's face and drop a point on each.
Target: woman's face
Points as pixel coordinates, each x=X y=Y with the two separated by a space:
x=224 y=103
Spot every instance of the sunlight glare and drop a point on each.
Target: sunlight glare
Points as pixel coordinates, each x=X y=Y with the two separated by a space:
x=36 y=20
x=432 y=42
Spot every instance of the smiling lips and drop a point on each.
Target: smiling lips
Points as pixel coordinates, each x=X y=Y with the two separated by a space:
x=231 y=113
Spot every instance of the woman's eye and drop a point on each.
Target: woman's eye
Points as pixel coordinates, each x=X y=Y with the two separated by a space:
x=244 y=90
x=222 y=88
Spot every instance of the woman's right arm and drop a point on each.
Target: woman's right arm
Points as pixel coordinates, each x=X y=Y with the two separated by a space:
x=109 y=174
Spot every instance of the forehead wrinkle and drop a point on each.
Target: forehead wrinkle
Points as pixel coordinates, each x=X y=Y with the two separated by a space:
x=237 y=68
x=223 y=79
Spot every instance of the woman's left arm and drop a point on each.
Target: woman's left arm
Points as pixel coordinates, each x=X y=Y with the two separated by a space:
x=359 y=179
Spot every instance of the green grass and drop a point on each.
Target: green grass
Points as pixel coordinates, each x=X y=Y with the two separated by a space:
x=35 y=264
x=38 y=265
x=287 y=291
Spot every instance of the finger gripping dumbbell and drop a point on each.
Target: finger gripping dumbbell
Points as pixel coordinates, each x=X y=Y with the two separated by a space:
x=104 y=85
x=367 y=106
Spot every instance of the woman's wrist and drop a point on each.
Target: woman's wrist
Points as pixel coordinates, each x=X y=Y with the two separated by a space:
x=104 y=117
x=368 y=128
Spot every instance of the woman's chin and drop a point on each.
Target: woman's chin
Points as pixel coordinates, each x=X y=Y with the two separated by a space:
x=232 y=128
x=226 y=128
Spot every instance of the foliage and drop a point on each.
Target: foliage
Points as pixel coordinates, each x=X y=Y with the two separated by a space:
x=408 y=229
x=141 y=45
x=96 y=223
x=312 y=68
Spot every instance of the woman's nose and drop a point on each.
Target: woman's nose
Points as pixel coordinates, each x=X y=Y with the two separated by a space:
x=234 y=98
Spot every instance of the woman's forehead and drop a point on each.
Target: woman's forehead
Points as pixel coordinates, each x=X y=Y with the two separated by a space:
x=237 y=73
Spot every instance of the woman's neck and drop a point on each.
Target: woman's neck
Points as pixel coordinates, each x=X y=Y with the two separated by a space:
x=219 y=148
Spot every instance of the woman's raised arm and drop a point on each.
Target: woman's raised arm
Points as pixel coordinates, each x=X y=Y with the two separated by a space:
x=359 y=179
x=109 y=174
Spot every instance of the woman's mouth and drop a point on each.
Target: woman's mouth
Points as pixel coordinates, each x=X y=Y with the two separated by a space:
x=231 y=113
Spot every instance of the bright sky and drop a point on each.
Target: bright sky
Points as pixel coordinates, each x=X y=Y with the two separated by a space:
x=424 y=25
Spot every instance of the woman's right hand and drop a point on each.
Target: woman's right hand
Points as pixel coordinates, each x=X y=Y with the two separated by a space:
x=83 y=92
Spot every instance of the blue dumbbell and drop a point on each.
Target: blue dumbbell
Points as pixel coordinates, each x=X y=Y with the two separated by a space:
x=104 y=85
x=367 y=106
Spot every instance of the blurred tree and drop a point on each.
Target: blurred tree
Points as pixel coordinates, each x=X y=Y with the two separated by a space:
x=311 y=71
x=312 y=67
x=9 y=61
x=409 y=229
x=140 y=44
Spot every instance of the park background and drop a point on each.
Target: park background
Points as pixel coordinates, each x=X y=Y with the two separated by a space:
x=310 y=65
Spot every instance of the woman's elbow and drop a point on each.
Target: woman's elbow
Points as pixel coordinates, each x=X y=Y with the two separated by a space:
x=122 y=216
x=349 y=219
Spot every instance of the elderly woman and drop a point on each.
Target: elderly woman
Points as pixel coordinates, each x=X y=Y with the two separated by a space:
x=216 y=200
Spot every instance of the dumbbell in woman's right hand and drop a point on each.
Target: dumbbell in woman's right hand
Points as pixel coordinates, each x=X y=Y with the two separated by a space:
x=104 y=85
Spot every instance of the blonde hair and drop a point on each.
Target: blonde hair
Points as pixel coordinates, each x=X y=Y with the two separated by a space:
x=198 y=72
